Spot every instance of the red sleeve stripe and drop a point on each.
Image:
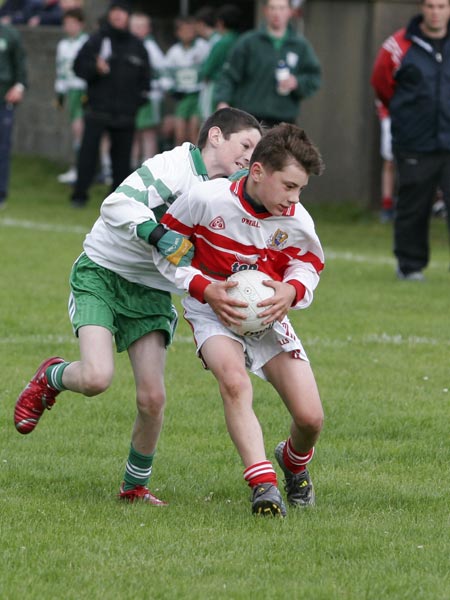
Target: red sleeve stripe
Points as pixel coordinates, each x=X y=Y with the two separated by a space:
x=176 y=225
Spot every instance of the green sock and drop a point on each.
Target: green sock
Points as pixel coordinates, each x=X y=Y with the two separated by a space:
x=54 y=375
x=138 y=469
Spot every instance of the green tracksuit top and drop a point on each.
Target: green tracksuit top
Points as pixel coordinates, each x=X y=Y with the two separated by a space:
x=248 y=79
x=12 y=59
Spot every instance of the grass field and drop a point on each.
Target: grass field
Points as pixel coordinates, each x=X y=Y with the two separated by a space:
x=380 y=351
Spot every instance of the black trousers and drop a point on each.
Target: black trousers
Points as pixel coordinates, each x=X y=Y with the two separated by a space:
x=419 y=176
x=121 y=140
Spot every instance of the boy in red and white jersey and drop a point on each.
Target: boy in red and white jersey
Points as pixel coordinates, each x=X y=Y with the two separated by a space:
x=257 y=223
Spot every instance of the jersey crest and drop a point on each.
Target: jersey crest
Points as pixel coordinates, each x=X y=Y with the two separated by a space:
x=278 y=239
x=217 y=223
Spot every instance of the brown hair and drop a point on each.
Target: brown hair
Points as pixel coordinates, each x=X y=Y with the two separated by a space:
x=284 y=144
x=229 y=120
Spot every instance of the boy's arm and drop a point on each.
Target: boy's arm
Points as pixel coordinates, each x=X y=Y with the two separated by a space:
x=387 y=62
x=305 y=265
x=231 y=74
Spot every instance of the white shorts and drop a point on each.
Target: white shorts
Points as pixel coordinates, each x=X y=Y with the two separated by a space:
x=386 y=139
x=258 y=350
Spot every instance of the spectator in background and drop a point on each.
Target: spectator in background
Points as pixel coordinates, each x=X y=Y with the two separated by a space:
x=15 y=12
x=411 y=77
x=205 y=25
x=145 y=144
x=271 y=70
x=228 y=20
x=70 y=4
x=183 y=62
x=115 y=65
x=44 y=12
x=388 y=166
x=13 y=79
x=69 y=88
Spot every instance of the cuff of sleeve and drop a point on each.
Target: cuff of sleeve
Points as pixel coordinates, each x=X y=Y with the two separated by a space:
x=144 y=230
x=300 y=290
x=197 y=288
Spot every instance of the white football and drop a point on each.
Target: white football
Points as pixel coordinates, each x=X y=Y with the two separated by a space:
x=251 y=290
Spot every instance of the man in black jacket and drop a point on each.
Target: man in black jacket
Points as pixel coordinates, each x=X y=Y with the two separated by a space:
x=116 y=67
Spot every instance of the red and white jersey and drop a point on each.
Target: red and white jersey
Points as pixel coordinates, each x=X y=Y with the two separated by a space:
x=229 y=235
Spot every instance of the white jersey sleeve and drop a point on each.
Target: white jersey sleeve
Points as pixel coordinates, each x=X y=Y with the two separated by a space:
x=145 y=195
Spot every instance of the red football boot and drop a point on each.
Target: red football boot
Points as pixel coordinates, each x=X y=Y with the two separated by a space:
x=140 y=494
x=35 y=398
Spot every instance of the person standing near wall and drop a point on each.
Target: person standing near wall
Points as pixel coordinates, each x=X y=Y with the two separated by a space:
x=411 y=77
x=270 y=70
x=116 y=67
x=228 y=21
x=13 y=79
x=69 y=88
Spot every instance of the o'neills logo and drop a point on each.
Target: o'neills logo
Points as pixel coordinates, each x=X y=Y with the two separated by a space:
x=217 y=223
x=250 y=222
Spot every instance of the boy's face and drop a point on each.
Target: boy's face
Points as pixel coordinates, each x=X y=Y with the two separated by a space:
x=277 y=190
x=234 y=153
x=71 y=26
x=139 y=26
x=186 y=33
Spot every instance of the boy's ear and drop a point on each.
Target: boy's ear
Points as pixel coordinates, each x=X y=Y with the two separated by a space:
x=215 y=136
x=256 y=171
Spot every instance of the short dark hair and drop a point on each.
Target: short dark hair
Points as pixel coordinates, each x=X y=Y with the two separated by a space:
x=285 y=143
x=230 y=15
x=229 y=120
x=74 y=13
x=206 y=14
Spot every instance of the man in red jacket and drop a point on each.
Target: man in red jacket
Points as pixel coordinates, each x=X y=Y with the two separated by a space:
x=411 y=77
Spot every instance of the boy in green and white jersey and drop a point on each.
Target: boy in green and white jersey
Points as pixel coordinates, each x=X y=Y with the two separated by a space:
x=69 y=88
x=116 y=291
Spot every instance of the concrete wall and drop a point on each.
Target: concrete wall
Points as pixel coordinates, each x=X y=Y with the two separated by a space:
x=340 y=118
x=346 y=35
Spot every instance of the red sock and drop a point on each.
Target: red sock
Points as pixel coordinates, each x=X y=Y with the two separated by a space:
x=262 y=472
x=387 y=203
x=293 y=460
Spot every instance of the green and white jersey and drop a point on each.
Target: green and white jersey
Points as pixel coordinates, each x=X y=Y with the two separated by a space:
x=66 y=53
x=145 y=195
x=183 y=66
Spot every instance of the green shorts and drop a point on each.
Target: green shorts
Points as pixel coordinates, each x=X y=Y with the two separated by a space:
x=75 y=104
x=188 y=107
x=129 y=310
x=148 y=115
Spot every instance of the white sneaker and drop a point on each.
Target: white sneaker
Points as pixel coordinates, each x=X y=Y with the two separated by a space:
x=69 y=176
x=412 y=276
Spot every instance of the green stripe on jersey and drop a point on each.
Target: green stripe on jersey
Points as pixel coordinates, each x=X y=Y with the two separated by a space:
x=148 y=180
x=131 y=192
x=197 y=162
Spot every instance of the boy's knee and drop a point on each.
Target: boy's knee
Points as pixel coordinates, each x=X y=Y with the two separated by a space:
x=95 y=382
x=311 y=422
x=150 y=403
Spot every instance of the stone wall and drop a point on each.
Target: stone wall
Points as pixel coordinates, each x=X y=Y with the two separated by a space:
x=346 y=35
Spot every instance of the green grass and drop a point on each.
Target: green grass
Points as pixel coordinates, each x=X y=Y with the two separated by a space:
x=379 y=348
